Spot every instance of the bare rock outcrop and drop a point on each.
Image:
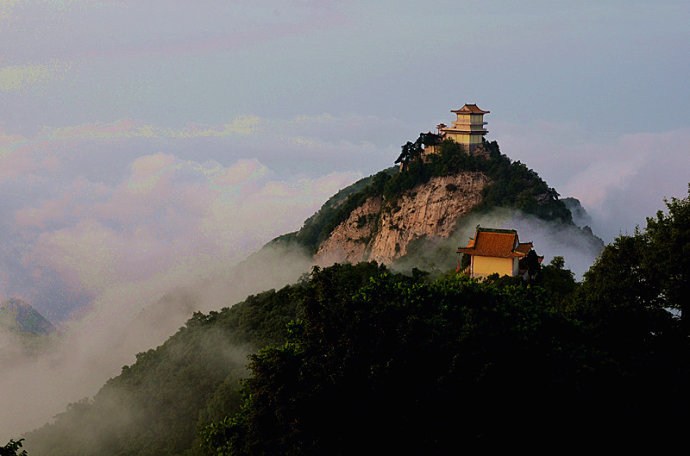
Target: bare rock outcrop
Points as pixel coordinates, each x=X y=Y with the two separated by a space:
x=382 y=230
x=349 y=241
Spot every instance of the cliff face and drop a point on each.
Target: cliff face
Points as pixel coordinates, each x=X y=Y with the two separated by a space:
x=382 y=232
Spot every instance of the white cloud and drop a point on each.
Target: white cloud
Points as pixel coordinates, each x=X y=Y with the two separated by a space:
x=20 y=77
x=169 y=211
x=620 y=180
x=170 y=224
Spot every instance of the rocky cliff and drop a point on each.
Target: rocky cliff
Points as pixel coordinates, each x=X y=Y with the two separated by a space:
x=381 y=231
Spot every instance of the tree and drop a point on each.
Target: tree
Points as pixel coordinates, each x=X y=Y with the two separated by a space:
x=557 y=280
x=531 y=262
x=410 y=151
x=618 y=296
x=623 y=305
x=666 y=260
x=414 y=150
x=648 y=272
x=12 y=449
x=403 y=366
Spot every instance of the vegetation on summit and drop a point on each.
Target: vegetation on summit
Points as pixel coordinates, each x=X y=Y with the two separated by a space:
x=513 y=185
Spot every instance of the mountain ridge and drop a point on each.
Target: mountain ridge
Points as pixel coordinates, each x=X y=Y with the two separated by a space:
x=383 y=216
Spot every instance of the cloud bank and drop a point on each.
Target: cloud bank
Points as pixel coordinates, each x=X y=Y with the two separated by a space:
x=619 y=180
x=165 y=214
x=140 y=256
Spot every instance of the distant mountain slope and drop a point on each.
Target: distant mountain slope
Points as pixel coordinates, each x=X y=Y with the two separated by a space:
x=317 y=227
x=155 y=406
x=18 y=316
x=580 y=216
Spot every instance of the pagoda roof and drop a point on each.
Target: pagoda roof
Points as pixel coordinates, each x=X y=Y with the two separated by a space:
x=470 y=109
x=524 y=247
x=496 y=243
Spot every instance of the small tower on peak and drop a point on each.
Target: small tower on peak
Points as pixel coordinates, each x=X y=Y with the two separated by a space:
x=468 y=129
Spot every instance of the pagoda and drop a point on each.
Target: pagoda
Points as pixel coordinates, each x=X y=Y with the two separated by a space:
x=467 y=129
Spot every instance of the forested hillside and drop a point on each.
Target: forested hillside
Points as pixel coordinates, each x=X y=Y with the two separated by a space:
x=155 y=406
x=513 y=185
x=355 y=356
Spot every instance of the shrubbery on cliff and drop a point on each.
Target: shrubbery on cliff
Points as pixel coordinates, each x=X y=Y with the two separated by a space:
x=513 y=185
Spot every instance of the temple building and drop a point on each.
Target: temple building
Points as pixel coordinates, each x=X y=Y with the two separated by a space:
x=498 y=251
x=467 y=129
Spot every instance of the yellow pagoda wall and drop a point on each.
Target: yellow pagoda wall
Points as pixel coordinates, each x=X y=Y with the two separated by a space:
x=477 y=119
x=484 y=266
x=465 y=139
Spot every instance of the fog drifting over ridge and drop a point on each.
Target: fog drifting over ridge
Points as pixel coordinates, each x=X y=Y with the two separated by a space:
x=145 y=254
x=619 y=181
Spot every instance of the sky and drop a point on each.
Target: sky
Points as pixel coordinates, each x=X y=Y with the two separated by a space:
x=160 y=139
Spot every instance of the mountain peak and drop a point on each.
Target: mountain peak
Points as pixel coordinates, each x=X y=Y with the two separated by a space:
x=19 y=316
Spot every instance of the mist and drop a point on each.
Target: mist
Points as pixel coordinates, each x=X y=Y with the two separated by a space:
x=577 y=246
x=126 y=320
x=136 y=259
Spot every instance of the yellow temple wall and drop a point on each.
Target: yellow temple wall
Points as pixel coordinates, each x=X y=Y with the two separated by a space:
x=483 y=266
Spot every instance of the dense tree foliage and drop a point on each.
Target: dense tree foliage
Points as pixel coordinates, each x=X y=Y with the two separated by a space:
x=406 y=366
x=12 y=448
x=154 y=406
x=412 y=151
x=645 y=274
x=667 y=256
x=556 y=280
x=410 y=367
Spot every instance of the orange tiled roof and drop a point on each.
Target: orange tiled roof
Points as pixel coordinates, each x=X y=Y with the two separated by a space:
x=524 y=247
x=470 y=109
x=495 y=243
